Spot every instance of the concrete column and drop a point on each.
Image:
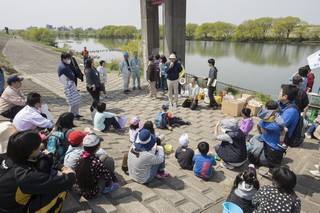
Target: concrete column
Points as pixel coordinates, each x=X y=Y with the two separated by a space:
x=175 y=27
x=149 y=29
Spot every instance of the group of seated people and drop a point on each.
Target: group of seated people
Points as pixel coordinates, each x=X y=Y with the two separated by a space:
x=56 y=162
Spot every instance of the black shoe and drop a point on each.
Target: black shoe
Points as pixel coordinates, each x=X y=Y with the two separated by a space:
x=125 y=92
x=78 y=116
x=214 y=107
x=128 y=91
x=133 y=88
x=139 y=88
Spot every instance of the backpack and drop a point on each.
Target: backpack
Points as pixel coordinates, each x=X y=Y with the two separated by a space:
x=158 y=120
x=297 y=136
x=57 y=144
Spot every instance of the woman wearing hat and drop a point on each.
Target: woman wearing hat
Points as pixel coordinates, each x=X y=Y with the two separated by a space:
x=232 y=150
x=146 y=160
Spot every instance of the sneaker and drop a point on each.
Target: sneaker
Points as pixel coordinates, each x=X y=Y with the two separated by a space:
x=225 y=165
x=307 y=135
x=315 y=173
x=102 y=97
x=133 y=88
x=122 y=130
x=139 y=88
x=110 y=188
x=188 y=122
x=163 y=175
x=266 y=175
x=283 y=146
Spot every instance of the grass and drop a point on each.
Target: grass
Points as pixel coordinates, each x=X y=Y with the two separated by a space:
x=60 y=50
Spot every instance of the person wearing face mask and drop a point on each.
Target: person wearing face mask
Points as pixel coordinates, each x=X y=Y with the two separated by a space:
x=67 y=78
x=30 y=117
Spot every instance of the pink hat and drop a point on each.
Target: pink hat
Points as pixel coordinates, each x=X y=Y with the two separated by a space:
x=135 y=121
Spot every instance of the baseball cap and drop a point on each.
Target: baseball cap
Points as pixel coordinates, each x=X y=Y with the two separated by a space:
x=91 y=140
x=13 y=78
x=76 y=137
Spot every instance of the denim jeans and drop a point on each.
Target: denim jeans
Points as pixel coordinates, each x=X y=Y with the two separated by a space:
x=312 y=128
x=155 y=169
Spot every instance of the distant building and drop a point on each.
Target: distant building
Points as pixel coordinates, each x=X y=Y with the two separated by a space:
x=49 y=27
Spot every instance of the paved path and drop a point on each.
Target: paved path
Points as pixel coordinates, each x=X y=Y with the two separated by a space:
x=182 y=193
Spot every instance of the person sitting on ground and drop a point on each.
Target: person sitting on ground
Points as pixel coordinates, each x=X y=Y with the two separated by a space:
x=203 y=162
x=271 y=114
x=103 y=120
x=30 y=118
x=246 y=124
x=244 y=188
x=165 y=120
x=310 y=79
x=149 y=126
x=280 y=196
x=133 y=129
x=73 y=154
x=183 y=154
x=232 y=150
x=193 y=92
x=146 y=160
x=302 y=100
x=90 y=170
x=12 y=100
x=22 y=187
x=290 y=115
x=312 y=128
x=93 y=109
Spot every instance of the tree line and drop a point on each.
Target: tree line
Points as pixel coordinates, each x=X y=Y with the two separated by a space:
x=261 y=29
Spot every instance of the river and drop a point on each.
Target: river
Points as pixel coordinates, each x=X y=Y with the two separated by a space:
x=254 y=66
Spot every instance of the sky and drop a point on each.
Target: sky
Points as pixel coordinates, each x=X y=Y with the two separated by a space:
x=20 y=14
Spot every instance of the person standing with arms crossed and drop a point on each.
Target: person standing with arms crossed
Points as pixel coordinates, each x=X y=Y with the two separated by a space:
x=135 y=64
x=85 y=54
x=172 y=71
x=126 y=72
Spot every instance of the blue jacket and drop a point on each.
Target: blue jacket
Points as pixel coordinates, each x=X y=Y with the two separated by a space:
x=290 y=117
x=63 y=69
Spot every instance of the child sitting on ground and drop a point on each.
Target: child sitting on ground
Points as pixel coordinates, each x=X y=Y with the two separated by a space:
x=149 y=126
x=165 y=120
x=184 y=155
x=203 y=162
x=103 y=120
x=90 y=170
x=270 y=114
x=244 y=188
x=75 y=150
x=93 y=109
x=134 y=128
x=246 y=124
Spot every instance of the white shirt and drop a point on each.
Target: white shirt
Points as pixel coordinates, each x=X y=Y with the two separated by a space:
x=103 y=74
x=29 y=118
x=193 y=90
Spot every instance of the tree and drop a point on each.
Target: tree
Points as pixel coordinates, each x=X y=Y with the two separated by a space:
x=203 y=31
x=283 y=27
x=191 y=31
x=265 y=23
x=222 y=30
x=302 y=30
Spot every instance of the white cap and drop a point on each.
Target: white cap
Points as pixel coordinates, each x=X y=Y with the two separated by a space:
x=172 y=56
x=184 y=140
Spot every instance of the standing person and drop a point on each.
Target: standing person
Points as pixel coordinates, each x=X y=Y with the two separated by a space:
x=157 y=66
x=280 y=197
x=135 y=65
x=103 y=78
x=193 y=92
x=93 y=80
x=290 y=115
x=172 y=71
x=310 y=79
x=22 y=187
x=211 y=85
x=1 y=81
x=67 y=78
x=126 y=72
x=302 y=100
x=12 y=100
x=303 y=73
x=152 y=78
x=85 y=54
x=163 y=67
x=75 y=68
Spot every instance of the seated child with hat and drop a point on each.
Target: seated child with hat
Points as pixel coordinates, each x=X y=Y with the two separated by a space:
x=165 y=120
x=184 y=155
x=90 y=170
x=75 y=150
x=134 y=128
x=203 y=162
x=146 y=160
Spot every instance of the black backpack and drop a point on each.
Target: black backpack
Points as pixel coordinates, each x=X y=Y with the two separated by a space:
x=297 y=136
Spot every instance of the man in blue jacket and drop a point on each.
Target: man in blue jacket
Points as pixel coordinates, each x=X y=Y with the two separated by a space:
x=290 y=115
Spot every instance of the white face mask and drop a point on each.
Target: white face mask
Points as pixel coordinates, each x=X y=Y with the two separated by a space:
x=68 y=61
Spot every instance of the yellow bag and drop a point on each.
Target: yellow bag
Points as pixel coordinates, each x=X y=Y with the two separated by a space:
x=218 y=99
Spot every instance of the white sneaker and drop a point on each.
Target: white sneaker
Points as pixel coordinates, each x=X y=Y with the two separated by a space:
x=315 y=173
x=161 y=137
x=101 y=97
x=307 y=135
x=225 y=165
x=316 y=166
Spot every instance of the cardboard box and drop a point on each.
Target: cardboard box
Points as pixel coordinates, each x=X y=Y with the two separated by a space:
x=254 y=109
x=246 y=97
x=232 y=107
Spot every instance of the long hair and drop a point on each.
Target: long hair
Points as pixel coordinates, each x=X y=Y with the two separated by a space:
x=65 y=121
x=149 y=126
x=85 y=179
x=249 y=176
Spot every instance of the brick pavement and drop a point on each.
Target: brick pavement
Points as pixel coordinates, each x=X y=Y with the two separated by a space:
x=182 y=193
